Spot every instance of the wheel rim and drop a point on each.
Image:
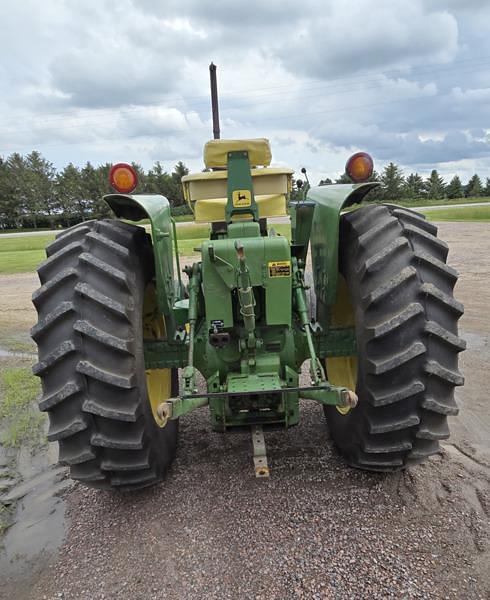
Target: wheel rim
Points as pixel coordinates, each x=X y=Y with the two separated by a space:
x=342 y=370
x=158 y=381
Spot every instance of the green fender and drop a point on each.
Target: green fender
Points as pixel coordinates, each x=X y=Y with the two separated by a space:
x=329 y=202
x=136 y=207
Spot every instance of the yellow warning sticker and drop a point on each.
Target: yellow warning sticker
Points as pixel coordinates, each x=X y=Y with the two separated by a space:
x=280 y=268
x=242 y=198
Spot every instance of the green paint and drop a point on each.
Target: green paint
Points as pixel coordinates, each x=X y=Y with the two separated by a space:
x=241 y=200
x=157 y=209
x=330 y=200
x=245 y=323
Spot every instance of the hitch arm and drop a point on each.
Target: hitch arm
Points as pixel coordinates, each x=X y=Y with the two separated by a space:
x=189 y=374
x=316 y=370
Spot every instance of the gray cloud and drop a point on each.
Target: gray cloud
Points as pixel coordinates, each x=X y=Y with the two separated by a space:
x=114 y=80
x=359 y=38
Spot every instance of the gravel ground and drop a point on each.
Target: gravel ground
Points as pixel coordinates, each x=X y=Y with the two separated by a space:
x=316 y=528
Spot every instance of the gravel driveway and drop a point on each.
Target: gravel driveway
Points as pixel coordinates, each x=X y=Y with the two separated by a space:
x=316 y=528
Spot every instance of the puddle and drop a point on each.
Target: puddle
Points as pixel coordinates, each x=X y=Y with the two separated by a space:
x=4 y=353
x=38 y=526
x=475 y=341
x=31 y=483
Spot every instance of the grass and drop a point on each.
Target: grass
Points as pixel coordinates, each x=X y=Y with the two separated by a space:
x=27 y=229
x=28 y=243
x=5 y=517
x=470 y=213
x=14 y=340
x=448 y=202
x=23 y=254
x=20 y=420
x=183 y=218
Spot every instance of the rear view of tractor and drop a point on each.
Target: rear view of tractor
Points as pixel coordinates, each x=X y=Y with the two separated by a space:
x=361 y=300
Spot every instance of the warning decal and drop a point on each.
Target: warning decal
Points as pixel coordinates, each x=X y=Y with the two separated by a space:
x=280 y=268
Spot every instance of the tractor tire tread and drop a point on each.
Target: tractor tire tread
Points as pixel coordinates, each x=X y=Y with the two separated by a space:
x=90 y=364
x=408 y=344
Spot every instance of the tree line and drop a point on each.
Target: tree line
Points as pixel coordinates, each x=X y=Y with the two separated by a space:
x=395 y=186
x=34 y=194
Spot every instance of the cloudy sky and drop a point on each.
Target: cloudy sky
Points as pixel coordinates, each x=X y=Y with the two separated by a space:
x=128 y=80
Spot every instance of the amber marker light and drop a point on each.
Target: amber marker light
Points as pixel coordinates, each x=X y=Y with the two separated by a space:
x=123 y=178
x=359 y=167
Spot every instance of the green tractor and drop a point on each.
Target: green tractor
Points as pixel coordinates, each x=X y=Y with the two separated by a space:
x=369 y=310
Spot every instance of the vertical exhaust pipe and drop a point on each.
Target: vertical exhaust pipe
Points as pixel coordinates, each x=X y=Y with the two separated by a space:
x=214 y=101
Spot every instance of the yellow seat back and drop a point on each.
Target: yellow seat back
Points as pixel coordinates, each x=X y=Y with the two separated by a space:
x=207 y=192
x=216 y=152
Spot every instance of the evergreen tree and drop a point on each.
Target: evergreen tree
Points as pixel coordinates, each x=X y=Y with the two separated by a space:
x=176 y=197
x=32 y=193
x=344 y=178
x=414 y=186
x=40 y=176
x=158 y=181
x=486 y=190
x=455 y=188
x=6 y=213
x=94 y=183
x=140 y=173
x=70 y=195
x=180 y=170
x=435 y=186
x=16 y=190
x=474 y=187
x=392 y=182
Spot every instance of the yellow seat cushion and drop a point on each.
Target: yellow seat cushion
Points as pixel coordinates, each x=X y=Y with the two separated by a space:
x=216 y=152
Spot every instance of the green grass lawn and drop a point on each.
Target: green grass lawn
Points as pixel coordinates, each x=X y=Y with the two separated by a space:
x=23 y=254
x=470 y=213
x=20 y=420
x=448 y=202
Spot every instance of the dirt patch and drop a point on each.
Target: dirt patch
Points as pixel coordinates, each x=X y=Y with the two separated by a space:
x=17 y=314
x=316 y=529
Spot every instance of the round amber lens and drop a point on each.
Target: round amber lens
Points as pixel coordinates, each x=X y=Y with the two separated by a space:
x=123 y=178
x=359 y=167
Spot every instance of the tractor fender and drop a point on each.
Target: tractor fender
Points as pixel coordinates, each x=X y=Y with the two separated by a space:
x=329 y=201
x=156 y=208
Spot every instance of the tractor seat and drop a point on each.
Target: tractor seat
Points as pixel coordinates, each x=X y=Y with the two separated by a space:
x=207 y=192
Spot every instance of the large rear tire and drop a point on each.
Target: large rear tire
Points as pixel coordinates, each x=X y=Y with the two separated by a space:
x=91 y=307
x=397 y=290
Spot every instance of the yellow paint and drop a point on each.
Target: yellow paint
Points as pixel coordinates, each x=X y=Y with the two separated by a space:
x=213 y=210
x=206 y=193
x=342 y=370
x=242 y=198
x=280 y=268
x=216 y=152
x=158 y=381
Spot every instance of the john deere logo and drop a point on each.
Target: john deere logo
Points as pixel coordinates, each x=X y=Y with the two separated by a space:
x=242 y=198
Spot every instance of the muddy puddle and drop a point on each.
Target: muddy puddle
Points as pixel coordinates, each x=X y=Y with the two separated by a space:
x=31 y=490
x=4 y=353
